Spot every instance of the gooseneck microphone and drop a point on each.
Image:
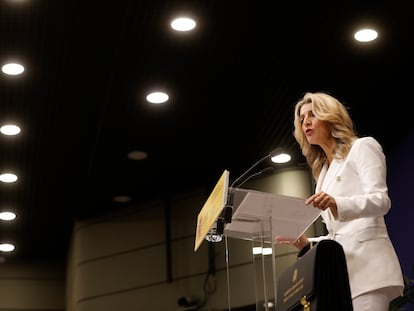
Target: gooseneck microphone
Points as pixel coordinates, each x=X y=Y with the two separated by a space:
x=264 y=171
x=216 y=232
x=227 y=213
x=240 y=178
x=228 y=208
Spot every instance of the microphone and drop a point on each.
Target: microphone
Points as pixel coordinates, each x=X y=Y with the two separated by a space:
x=216 y=233
x=228 y=209
x=261 y=172
x=240 y=178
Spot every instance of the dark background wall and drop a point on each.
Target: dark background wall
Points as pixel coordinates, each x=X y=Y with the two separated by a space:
x=400 y=219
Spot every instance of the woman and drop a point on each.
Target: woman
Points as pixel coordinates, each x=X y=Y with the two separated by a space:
x=352 y=194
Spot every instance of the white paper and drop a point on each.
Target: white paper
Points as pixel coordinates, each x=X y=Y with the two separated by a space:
x=260 y=214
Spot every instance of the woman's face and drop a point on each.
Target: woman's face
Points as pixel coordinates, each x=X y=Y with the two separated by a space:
x=316 y=131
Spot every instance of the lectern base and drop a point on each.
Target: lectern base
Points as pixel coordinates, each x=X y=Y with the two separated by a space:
x=317 y=281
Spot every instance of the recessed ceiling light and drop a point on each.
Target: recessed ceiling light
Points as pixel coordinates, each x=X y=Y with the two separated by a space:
x=137 y=155
x=157 y=97
x=8 y=177
x=6 y=247
x=183 y=24
x=10 y=129
x=280 y=156
x=12 y=69
x=365 y=35
x=7 y=215
x=122 y=198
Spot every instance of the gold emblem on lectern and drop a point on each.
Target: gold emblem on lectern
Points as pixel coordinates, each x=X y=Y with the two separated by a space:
x=296 y=286
x=294 y=275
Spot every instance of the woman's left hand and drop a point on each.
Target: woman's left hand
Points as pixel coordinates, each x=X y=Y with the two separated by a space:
x=322 y=200
x=298 y=243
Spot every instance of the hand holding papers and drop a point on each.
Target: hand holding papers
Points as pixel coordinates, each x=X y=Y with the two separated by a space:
x=266 y=215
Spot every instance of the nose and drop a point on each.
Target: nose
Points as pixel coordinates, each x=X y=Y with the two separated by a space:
x=306 y=120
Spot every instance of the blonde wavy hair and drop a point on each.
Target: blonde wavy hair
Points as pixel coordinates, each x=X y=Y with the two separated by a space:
x=331 y=110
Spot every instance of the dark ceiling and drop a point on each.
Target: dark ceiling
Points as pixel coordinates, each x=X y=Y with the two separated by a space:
x=232 y=82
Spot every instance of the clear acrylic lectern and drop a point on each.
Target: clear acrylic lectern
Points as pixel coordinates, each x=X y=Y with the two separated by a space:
x=259 y=217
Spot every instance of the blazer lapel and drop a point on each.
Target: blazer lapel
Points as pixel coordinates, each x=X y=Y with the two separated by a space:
x=327 y=175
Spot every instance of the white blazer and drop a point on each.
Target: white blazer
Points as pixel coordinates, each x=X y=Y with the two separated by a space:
x=358 y=184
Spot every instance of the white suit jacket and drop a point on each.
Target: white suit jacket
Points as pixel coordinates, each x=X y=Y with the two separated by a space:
x=358 y=184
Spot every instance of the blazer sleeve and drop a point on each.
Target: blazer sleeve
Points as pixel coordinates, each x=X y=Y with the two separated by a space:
x=370 y=198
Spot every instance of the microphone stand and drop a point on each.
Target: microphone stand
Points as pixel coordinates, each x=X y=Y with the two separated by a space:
x=228 y=208
x=226 y=215
x=216 y=233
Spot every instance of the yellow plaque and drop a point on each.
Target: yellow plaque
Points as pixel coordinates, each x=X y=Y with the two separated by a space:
x=211 y=209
